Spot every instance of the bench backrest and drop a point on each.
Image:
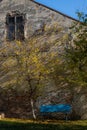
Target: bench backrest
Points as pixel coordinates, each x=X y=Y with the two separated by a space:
x=65 y=108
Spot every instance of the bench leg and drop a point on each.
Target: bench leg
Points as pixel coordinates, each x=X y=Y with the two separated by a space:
x=66 y=117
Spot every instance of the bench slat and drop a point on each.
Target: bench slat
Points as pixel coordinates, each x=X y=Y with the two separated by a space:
x=65 y=108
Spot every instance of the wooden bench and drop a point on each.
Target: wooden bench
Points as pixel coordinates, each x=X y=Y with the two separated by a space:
x=62 y=108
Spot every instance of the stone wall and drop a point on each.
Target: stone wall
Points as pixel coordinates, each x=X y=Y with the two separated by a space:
x=17 y=104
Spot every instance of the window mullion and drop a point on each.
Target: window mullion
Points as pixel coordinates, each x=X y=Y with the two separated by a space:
x=15 y=27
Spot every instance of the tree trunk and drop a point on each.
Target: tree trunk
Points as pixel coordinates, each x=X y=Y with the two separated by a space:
x=33 y=111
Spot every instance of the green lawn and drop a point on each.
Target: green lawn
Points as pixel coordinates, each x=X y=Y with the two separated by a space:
x=14 y=124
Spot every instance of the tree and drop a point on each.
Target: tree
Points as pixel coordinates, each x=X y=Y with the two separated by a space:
x=76 y=52
x=25 y=64
x=30 y=64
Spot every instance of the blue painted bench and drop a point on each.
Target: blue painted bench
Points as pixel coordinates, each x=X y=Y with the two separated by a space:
x=63 y=108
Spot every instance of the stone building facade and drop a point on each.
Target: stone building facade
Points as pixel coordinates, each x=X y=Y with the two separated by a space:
x=31 y=17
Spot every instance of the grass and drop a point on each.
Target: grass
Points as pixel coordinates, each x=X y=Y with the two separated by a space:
x=16 y=124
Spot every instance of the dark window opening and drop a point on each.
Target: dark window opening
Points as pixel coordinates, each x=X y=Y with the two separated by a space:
x=19 y=19
x=11 y=32
x=15 y=27
x=20 y=32
x=11 y=20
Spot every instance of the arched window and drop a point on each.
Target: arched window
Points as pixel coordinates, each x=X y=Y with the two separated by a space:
x=15 y=26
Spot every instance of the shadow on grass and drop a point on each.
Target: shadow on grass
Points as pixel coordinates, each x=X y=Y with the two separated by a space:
x=7 y=125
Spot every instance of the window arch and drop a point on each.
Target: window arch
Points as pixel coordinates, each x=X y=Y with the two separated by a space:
x=15 y=26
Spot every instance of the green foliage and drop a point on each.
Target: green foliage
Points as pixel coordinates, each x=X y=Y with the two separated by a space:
x=76 y=51
x=24 y=64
